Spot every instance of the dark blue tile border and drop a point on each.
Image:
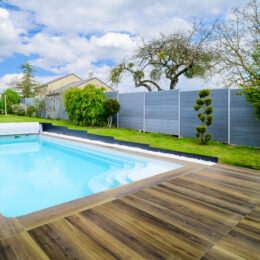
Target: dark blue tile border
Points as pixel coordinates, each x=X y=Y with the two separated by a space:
x=48 y=127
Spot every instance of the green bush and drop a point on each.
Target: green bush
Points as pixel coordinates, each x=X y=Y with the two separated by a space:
x=111 y=107
x=85 y=106
x=203 y=103
x=30 y=110
x=18 y=109
x=11 y=98
x=252 y=95
x=39 y=107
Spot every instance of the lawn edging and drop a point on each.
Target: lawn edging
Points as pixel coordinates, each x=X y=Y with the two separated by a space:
x=48 y=127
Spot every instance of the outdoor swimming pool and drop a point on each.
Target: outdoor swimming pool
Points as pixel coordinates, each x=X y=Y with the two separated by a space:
x=37 y=171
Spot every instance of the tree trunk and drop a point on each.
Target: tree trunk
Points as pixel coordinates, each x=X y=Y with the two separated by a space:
x=109 y=121
x=173 y=83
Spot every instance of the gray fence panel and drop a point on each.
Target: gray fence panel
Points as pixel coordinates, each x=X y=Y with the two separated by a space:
x=112 y=94
x=132 y=110
x=31 y=102
x=161 y=112
x=244 y=126
x=189 y=119
x=28 y=101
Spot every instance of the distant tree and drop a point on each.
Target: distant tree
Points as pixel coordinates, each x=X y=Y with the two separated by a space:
x=184 y=53
x=111 y=107
x=26 y=85
x=203 y=106
x=11 y=98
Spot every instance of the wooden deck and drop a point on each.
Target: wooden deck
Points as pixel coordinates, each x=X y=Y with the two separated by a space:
x=204 y=212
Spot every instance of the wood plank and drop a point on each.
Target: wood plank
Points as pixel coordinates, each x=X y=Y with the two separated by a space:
x=105 y=239
x=9 y=226
x=249 y=227
x=243 y=242
x=245 y=175
x=148 y=249
x=232 y=193
x=198 y=195
x=61 y=240
x=20 y=246
x=232 y=186
x=48 y=215
x=153 y=231
x=236 y=169
x=206 y=229
x=255 y=214
x=237 y=244
x=199 y=207
x=218 y=253
x=231 y=180
x=219 y=193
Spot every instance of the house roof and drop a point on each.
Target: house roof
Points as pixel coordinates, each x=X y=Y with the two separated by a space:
x=59 y=78
x=72 y=85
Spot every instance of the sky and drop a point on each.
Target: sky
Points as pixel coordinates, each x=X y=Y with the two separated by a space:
x=60 y=37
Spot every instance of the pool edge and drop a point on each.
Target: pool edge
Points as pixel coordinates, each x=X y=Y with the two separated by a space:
x=51 y=214
x=48 y=127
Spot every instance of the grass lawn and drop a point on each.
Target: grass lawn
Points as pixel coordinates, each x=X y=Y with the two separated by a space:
x=238 y=155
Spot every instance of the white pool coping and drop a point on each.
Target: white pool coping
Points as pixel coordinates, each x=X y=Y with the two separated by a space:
x=20 y=128
x=144 y=151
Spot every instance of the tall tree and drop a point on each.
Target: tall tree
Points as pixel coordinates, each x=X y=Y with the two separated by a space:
x=183 y=53
x=27 y=85
x=237 y=39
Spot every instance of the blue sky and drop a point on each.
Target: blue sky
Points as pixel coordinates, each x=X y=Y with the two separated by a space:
x=60 y=37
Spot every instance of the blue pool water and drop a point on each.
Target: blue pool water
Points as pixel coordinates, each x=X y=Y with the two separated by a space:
x=38 y=171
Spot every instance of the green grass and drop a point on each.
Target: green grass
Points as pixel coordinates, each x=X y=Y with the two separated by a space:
x=238 y=155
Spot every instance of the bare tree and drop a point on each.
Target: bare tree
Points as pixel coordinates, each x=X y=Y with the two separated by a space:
x=187 y=53
x=237 y=39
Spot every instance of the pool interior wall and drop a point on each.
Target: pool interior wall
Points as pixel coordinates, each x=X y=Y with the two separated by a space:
x=39 y=171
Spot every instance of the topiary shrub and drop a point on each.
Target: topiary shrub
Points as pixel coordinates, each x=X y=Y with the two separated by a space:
x=85 y=106
x=30 y=111
x=203 y=107
x=18 y=109
x=111 y=107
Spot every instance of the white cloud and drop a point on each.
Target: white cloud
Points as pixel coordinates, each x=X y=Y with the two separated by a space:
x=72 y=35
x=87 y=16
x=62 y=55
x=8 y=34
x=7 y=80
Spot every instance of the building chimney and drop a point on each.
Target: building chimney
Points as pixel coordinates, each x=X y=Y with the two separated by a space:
x=90 y=75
